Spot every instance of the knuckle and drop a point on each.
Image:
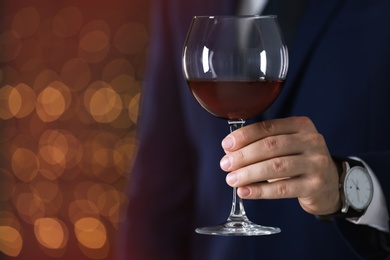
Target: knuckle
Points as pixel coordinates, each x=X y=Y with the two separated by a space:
x=316 y=183
x=318 y=138
x=258 y=191
x=303 y=120
x=270 y=143
x=322 y=161
x=319 y=180
x=281 y=189
x=266 y=126
x=306 y=122
x=315 y=140
x=279 y=165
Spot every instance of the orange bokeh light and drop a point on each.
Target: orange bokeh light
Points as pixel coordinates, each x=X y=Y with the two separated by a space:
x=24 y=164
x=51 y=233
x=11 y=241
x=70 y=79
x=90 y=233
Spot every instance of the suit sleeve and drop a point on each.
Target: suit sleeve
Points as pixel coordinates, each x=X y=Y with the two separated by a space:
x=161 y=178
x=159 y=219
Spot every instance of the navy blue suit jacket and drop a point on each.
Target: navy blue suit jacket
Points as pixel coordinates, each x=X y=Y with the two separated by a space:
x=339 y=76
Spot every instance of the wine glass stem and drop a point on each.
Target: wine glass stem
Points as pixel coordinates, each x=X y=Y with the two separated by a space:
x=237 y=212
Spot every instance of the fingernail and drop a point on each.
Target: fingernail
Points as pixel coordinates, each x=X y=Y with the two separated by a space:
x=231 y=178
x=225 y=163
x=228 y=142
x=243 y=192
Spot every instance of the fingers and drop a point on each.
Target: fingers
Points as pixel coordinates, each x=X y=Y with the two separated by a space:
x=312 y=193
x=281 y=189
x=277 y=168
x=294 y=186
x=261 y=150
x=285 y=177
x=273 y=147
x=254 y=132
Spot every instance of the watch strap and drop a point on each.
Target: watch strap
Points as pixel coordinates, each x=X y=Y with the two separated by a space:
x=351 y=213
x=352 y=162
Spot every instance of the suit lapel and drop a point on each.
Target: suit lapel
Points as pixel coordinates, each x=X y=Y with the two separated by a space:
x=314 y=23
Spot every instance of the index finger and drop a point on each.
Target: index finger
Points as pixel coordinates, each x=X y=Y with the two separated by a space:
x=251 y=133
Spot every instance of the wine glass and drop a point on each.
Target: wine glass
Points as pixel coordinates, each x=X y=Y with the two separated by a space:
x=235 y=67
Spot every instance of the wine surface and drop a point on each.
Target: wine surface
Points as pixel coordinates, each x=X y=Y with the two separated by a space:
x=235 y=99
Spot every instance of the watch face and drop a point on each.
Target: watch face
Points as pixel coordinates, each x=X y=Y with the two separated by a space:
x=358 y=188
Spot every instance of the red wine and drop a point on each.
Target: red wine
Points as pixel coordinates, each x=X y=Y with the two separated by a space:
x=235 y=99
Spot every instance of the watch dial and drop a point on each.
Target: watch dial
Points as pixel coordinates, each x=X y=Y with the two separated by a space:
x=358 y=188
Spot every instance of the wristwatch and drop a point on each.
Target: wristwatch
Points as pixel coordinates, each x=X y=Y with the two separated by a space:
x=356 y=190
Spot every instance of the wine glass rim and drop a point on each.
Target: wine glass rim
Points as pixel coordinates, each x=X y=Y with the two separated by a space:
x=256 y=16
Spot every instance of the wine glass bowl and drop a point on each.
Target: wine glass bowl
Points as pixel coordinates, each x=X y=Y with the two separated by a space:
x=235 y=67
x=235 y=99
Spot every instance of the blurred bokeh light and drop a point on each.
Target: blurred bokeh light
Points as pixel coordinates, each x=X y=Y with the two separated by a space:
x=70 y=78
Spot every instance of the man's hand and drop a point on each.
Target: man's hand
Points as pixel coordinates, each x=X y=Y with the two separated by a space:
x=283 y=158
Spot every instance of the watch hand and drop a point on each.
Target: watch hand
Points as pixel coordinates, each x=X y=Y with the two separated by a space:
x=357 y=190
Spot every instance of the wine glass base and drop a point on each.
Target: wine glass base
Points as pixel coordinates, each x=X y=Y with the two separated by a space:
x=238 y=228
